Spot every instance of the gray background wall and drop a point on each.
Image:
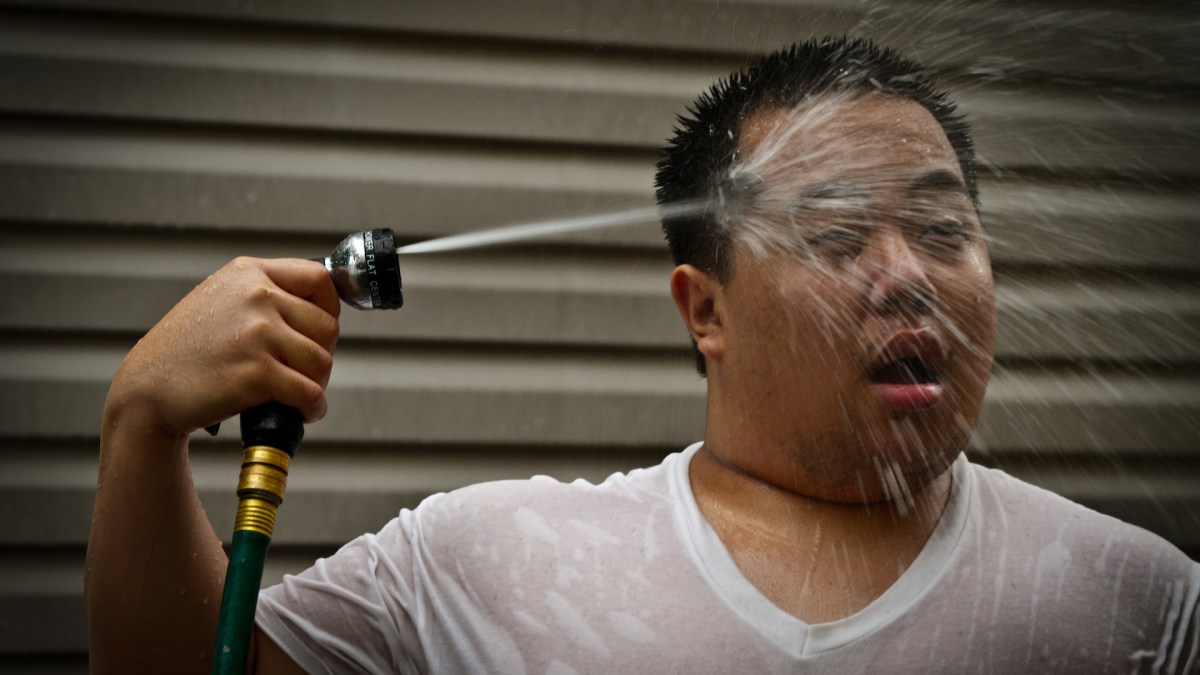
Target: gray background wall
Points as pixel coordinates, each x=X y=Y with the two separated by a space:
x=142 y=144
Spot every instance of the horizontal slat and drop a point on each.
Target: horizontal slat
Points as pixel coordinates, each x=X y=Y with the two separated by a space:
x=68 y=662
x=39 y=624
x=60 y=571
x=420 y=396
x=435 y=309
x=484 y=109
x=222 y=75
x=1091 y=224
x=242 y=50
x=439 y=395
x=1110 y=40
x=1113 y=319
x=1084 y=131
x=206 y=180
x=1086 y=413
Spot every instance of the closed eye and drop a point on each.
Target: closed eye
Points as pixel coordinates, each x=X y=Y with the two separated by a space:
x=945 y=236
x=947 y=228
x=837 y=241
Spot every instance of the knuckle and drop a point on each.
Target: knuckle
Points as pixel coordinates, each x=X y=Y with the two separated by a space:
x=241 y=264
x=330 y=330
x=258 y=370
x=256 y=328
x=324 y=361
x=316 y=271
x=312 y=400
x=319 y=365
x=252 y=382
x=259 y=293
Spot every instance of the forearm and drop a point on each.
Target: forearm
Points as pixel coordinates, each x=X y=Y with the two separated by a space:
x=154 y=565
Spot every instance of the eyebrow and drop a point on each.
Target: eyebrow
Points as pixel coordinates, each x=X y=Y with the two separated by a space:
x=833 y=190
x=940 y=179
x=838 y=189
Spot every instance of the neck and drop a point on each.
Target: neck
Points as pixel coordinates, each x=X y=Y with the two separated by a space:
x=737 y=488
x=819 y=560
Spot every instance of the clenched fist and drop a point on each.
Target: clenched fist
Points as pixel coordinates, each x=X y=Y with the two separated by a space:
x=253 y=332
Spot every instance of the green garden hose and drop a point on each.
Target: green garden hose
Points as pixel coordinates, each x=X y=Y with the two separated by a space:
x=242 y=581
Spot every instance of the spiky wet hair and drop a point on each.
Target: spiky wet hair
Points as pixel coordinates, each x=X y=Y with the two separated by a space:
x=697 y=160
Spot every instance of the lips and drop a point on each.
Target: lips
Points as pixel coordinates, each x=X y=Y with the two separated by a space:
x=906 y=371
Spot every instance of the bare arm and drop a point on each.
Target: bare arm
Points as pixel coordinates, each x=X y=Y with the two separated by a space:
x=255 y=331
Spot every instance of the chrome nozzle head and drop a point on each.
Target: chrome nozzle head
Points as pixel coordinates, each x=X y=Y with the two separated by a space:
x=365 y=269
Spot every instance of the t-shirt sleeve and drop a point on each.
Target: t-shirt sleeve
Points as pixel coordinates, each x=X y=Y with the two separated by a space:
x=352 y=612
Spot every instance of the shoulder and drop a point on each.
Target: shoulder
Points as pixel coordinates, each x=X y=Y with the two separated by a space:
x=1080 y=586
x=1027 y=508
x=480 y=551
x=539 y=510
x=1047 y=527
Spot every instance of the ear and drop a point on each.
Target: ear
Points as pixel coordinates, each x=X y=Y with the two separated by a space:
x=697 y=295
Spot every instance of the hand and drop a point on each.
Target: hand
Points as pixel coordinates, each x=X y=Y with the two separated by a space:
x=253 y=332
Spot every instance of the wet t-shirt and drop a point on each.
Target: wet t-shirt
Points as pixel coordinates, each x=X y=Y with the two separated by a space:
x=553 y=578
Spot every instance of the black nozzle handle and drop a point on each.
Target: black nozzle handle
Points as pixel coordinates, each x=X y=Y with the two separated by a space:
x=274 y=425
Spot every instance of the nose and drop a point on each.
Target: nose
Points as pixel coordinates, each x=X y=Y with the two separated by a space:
x=899 y=283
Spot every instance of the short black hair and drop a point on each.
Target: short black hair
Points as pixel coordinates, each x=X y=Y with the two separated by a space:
x=696 y=162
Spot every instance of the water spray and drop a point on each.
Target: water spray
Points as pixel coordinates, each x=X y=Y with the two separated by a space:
x=511 y=233
x=366 y=272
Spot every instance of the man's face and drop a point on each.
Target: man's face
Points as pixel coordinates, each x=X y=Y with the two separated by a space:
x=859 y=312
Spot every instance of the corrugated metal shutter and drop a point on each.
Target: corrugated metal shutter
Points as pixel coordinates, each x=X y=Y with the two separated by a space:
x=145 y=143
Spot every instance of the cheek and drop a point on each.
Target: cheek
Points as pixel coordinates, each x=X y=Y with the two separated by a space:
x=821 y=327
x=981 y=292
x=979 y=272
x=968 y=289
x=971 y=309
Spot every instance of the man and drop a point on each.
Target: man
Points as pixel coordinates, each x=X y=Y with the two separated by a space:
x=839 y=294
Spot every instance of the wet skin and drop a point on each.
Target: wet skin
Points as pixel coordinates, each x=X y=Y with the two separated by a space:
x=862 y=246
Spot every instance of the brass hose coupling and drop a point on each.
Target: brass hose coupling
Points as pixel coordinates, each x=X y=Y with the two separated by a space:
x=260 y=488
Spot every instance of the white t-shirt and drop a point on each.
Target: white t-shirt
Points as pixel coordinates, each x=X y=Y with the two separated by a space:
x=544 y=577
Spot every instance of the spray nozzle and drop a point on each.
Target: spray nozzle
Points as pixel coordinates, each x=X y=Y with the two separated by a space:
x=366 y=270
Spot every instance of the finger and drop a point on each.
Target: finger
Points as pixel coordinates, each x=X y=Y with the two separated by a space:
x=304 y=279
x=308 y=319
x=303 y=355
x=291 y=388
x=285 y=367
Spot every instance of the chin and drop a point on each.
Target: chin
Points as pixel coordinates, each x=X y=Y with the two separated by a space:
x=915 y=449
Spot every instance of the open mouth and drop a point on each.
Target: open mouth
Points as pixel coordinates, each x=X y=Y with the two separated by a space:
x=905 y=370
